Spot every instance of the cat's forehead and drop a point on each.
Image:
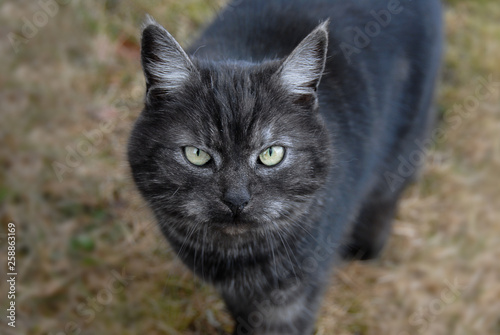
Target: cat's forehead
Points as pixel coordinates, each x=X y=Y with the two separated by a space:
x=232 y=80
x=240 y=103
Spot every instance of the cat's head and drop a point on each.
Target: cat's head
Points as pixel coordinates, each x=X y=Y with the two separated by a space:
x=229 y=148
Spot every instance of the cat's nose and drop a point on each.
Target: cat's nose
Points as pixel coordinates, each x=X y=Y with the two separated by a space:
x=236 y=199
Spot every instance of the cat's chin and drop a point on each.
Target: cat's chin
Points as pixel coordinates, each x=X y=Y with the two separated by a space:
x=236 y=226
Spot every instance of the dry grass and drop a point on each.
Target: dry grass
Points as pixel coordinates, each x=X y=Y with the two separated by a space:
x=80 y=72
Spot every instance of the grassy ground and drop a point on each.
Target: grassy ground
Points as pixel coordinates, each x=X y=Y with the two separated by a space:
x=90 y=259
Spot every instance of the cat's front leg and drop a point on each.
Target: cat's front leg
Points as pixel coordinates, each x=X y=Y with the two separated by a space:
x=286 y=311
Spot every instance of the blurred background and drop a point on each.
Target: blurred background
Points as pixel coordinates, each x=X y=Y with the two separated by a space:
x=90 y=259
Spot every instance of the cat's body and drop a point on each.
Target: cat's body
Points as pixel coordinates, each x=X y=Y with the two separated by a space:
x=267 y=237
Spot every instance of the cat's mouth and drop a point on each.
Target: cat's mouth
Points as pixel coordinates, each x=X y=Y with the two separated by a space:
x=236 y=225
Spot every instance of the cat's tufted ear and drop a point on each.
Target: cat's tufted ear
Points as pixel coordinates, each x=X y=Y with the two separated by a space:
x=166 y=65
x=302 y=69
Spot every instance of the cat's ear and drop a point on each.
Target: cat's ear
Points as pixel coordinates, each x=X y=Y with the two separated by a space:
x=302 y=69
x=166 y=65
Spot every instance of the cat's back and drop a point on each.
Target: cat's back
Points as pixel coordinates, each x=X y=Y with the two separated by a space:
x=255 y=30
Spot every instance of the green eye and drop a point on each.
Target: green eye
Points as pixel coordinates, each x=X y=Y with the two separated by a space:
x=196 y=156
x=272 y=155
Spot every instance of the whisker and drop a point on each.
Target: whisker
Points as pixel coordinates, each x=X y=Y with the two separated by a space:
x=286 y=246
x=271 y=246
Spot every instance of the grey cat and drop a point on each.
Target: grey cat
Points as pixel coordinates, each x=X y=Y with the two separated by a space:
x=272 y=148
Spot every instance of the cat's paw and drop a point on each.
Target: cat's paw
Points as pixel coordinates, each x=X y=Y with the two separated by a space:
x=356 y=251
